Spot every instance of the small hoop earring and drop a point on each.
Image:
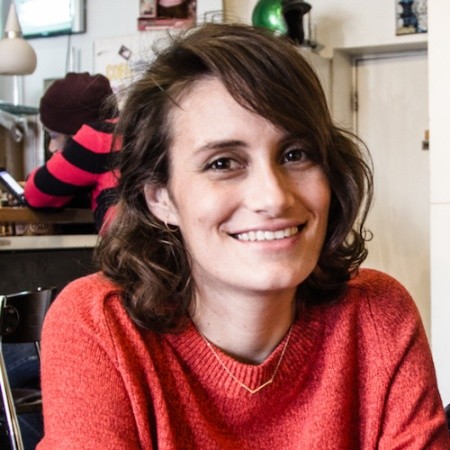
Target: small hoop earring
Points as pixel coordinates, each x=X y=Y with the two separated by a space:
x=168 y=229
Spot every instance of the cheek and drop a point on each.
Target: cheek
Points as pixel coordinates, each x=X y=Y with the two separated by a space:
x=316 y=193
x=204 y=207
x=57 y=143
x=324 y=199
x=53 y=146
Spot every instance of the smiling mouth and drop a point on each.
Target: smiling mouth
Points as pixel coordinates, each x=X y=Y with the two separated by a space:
x=260 y=235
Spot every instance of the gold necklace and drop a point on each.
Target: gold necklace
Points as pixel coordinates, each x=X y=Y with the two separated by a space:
x=243 y=385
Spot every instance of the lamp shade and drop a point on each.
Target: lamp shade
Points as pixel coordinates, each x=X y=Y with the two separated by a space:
x=17 y=56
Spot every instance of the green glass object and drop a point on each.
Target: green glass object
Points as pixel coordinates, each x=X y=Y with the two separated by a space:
x=269 y=14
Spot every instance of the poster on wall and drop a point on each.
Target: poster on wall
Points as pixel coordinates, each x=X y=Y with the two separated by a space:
x=411 y=17
x=122 y=58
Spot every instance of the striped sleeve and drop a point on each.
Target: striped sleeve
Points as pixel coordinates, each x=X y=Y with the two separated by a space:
x=84 y=166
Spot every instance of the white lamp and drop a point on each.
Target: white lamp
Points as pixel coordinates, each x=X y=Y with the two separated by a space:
x=17 y=56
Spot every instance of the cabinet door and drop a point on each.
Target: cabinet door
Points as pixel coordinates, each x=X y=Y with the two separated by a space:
x=392 y=117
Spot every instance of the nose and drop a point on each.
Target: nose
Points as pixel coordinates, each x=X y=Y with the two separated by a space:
x=269 y=190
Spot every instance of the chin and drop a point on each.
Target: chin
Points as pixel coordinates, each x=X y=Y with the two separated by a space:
x=273 y=284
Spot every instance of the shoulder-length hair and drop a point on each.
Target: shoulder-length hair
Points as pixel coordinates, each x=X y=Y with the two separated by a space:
x=267 y=75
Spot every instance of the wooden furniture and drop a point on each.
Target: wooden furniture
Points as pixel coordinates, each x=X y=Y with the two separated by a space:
x=27 y=215
x=52 y=260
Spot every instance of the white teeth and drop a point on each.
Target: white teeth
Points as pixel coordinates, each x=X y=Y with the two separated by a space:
x=279 y=234
x=261 y=235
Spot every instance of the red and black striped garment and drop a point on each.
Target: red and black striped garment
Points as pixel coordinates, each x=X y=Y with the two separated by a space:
x=84 y=166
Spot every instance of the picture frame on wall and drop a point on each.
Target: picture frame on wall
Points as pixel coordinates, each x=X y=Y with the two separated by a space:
x=166 y=13
x=48 y=18
x=411 y=16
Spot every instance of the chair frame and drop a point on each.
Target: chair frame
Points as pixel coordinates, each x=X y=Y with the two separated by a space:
x=20 y=321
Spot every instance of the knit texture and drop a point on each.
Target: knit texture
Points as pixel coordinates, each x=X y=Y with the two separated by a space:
x=357 y=374
x=83 y=166
x=74 y=100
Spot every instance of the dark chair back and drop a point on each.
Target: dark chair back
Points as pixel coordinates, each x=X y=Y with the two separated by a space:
x=22 y=315
x=21 y=319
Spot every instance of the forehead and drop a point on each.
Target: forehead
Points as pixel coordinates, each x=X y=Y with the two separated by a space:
x=55 y=134
x=207 y=110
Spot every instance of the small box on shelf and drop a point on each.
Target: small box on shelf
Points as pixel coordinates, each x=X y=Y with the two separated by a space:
x=147 y=24
x=148 y=8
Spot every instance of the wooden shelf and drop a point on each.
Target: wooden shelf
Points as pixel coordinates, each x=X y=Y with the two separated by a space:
x=27 y=215
x=49 y=242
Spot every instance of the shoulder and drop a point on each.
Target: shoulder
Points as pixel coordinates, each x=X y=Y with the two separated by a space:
x=99 y=126
x=386 y=312
x=372 y=283
x=93 y=285
x=381 y=294
x=374 y=297
x=96 y=136
x=86 y=302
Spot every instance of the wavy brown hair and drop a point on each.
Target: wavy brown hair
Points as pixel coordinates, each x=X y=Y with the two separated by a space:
x=267 y=75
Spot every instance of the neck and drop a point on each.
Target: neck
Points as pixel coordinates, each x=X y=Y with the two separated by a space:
x=247 y=328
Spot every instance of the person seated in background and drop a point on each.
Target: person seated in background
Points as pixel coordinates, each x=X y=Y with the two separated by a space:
x=79 y=113
x=231 y=311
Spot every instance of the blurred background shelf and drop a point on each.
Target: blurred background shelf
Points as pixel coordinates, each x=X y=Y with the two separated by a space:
x=26 y=215
x=48 y=242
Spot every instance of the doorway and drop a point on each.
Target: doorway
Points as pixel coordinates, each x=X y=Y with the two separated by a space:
x=392 y=117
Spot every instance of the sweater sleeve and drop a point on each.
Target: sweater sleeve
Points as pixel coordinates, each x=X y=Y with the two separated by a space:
x=413 y=411
x=74 y=170
x=86 y=405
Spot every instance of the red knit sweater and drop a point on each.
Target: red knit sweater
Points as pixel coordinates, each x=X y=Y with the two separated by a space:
x=356 y=375
x=83 y=166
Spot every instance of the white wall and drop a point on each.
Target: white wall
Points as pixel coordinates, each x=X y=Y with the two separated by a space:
x=439 y=101
x=355 y=25
x=368 y=25
x=350 y=24
x=343 y=24
x=56 y=55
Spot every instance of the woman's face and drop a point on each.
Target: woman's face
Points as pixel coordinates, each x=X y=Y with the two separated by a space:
x=251 y=205
x=56 y=141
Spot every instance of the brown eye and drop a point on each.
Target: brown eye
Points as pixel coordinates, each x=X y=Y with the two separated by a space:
x=223 y=164
x=220 y=164
x=294 y=155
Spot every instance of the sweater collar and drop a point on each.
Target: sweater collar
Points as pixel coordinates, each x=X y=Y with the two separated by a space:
x=205 y=367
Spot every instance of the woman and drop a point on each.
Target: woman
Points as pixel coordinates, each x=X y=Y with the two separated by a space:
x=230 y=311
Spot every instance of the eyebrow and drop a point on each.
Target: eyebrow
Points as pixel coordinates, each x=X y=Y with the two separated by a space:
x=222 y=144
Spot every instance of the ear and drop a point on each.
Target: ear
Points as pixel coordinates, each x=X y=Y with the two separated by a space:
x=160 y=204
